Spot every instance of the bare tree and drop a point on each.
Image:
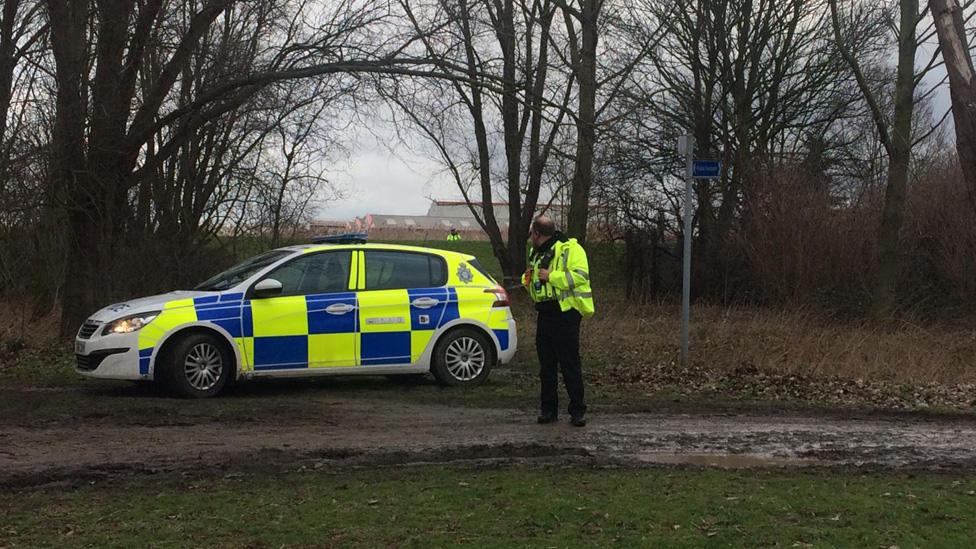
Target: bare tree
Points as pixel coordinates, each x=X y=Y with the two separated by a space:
x=953 y=41
x=104 y=122
x=21 y=34
x=294 y=180
x=583 y=52
x=895 y=133
x=499 y=51
x=753 y=82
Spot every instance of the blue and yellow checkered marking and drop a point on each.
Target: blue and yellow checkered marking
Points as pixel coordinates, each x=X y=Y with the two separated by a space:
x=247 y=320
x=321 y=321
x=227 y=316
x=385 y=348
x=432 y=315
x=280 y=352
x=384 y=327
x=331 y=337
x=144 y=356
x=437 y=316
x=297 y=331
x=204 y=300
x=502 y=336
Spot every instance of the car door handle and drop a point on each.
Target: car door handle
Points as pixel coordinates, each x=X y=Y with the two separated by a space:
x=424 y=302
x=339 y=308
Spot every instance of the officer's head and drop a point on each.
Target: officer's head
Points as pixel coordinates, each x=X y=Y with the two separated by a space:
x=542 y=230
x=453 y=230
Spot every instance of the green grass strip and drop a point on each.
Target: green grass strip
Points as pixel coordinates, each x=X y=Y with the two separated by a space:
x=508 y=507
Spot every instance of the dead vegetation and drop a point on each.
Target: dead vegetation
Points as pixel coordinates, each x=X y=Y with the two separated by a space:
x=766 y=354
x=749 y=353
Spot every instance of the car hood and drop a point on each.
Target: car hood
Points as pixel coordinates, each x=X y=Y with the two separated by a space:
x=143 y=305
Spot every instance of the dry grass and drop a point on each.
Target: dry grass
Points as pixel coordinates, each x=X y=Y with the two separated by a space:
x=18 y=321
x=772 y=341
x=740 y=353
x=781 y=342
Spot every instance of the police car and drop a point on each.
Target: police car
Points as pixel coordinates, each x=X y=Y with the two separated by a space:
x=339 y=307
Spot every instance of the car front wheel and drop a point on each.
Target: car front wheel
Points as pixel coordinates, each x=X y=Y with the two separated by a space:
x=463 y=357
x=198 y=366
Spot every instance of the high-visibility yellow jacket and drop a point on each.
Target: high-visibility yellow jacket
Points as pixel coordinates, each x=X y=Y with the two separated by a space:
x=451 y=237
x=569 y=278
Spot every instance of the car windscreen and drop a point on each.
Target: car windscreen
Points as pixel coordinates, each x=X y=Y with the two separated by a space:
x=242 y=271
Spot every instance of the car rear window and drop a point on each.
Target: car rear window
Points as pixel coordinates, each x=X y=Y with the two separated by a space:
x=474 y=263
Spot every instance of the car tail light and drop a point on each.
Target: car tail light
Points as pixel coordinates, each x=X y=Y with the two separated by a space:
x=501 y=296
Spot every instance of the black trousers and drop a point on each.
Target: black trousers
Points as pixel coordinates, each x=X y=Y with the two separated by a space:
x=557 y=343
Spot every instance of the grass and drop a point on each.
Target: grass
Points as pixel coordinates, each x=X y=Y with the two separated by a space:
x=507 y=507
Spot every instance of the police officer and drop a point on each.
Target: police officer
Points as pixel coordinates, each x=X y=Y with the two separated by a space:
x=454 y=236
x=558 y=279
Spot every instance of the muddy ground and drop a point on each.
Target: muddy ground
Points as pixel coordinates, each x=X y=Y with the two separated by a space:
x=95 y=431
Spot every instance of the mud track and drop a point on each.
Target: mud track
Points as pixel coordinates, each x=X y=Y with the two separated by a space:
x=344 y=430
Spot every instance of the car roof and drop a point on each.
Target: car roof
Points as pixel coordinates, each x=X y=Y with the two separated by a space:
x=397 y=247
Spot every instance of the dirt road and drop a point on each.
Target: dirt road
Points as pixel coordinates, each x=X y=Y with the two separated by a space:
x=335 y=429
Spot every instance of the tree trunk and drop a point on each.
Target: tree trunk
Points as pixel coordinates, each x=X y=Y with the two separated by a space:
x=68 y=172
x=893 y=213
x=579 y=204
x=962 y=84
x=7 y=61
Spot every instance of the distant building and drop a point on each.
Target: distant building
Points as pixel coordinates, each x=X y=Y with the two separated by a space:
x=329 y=226
x=441 y=217
x=460 y=208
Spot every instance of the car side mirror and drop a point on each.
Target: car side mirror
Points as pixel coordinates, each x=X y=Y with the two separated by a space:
x=268 y=287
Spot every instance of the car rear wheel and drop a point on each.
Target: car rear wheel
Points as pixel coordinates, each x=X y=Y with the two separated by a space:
x=463 y=357
x=198 y=366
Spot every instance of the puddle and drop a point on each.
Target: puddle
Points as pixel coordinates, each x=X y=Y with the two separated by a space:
x=724 y=461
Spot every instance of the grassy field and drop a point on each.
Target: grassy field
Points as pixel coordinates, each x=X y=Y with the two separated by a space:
x=508 y=507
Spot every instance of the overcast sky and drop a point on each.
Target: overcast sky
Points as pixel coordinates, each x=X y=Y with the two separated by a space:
x=376 y=180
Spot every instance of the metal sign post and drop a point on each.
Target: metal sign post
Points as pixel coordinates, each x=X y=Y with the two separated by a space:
x=686 y=145
x=694 y=169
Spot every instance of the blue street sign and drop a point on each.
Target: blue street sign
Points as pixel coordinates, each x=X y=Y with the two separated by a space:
x=701 y=169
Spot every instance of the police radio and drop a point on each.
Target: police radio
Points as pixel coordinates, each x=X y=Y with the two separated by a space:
x=544 y=263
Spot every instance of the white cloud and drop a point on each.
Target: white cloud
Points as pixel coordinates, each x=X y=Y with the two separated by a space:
x=375 y=179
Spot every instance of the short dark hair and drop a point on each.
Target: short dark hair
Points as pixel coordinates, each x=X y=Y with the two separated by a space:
x=544 y=226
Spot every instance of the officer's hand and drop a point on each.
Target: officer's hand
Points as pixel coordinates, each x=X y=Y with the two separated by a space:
x=527 y=276
x=544 y=275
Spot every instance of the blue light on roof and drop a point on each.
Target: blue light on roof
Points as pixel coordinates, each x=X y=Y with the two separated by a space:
x=347 y=238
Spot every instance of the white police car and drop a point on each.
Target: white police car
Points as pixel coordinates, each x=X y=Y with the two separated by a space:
x=308 y=310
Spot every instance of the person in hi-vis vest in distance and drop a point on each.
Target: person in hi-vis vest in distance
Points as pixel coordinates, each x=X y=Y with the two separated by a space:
x=453 y=236
x=558 y=280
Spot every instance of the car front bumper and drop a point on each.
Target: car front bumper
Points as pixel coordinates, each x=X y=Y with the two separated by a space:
x=114 y=356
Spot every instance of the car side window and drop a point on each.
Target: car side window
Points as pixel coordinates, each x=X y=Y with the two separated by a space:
x=314 y=274
x=393 y=270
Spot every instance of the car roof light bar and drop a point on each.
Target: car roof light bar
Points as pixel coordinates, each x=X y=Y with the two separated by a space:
x=347 y=238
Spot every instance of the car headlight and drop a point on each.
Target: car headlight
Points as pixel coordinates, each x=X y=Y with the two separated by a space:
x=129 y=324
